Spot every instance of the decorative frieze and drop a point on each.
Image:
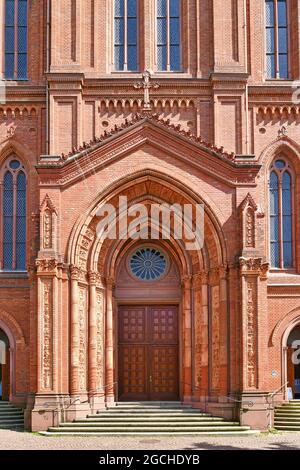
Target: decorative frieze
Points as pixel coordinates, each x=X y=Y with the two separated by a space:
x=250 y=228
x=46 y=333
x=82 y=369
x=100 y=340
x=251 y=311
x=47 y=229
x=215 y=342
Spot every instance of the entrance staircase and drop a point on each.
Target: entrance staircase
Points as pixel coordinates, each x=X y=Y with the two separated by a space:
x=11 y=417
x=287 y=416
x=149 y=419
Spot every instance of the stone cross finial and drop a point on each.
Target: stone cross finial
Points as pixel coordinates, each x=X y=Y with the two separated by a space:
x=146 y=85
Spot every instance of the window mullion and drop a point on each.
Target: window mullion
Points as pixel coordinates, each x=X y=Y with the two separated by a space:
x=14 y=257
x=168 y=36
x=280 y=220
x=16 y=41
x=276 y=40
x=1 y=228
x=125 y=36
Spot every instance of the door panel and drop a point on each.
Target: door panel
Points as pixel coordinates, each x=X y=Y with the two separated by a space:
x=164 y=373
x=148 y=353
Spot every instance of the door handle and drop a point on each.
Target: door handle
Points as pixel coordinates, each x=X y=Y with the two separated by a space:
x=150 y=379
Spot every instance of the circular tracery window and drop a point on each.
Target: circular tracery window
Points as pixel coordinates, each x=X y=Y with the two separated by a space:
x=148 y=264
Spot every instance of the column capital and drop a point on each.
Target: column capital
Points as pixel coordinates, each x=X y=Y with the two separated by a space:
x=254 y=266
x=186 y=281
x=217 y=273
x=197 y=280
x=95 y=279
x=48 y=266
x=77 y=274
x=110 y=282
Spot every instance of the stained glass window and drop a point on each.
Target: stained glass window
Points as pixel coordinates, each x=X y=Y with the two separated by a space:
x=16 y=39
x=281 y=227
x=148 y=264
x=276 y=39
x=126 y=35
x=169 y=35
x=14 y=217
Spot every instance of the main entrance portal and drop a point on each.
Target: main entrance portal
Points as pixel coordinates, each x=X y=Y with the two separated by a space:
x=148 y=353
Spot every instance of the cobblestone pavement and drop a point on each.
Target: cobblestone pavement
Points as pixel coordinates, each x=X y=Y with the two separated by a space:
x=12 y=440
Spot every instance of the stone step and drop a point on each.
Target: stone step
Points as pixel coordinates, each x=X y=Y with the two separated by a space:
x=12 y=423
x=150 y=403
x=9 y=406
x=287 y=417
x=124 y=429
x=287 y=428
x=11 y=417
x=160 y=419
x=153 y=411
x=153 y=424
x=287 y=423
x=12 y=427
x=152 y=434
x=289 y=405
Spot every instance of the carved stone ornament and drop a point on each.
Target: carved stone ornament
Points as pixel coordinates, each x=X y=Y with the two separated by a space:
x=47 y=265
x=254 y=265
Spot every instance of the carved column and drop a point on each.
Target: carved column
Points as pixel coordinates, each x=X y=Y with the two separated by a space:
x=253 y=273
x=214 y=332
x=197 y=336
x=75 y=328
x=92 y=347
x=234 y=328
x=187 y=340
x=109 y=349
x=48 y=273
x=96 y=339
x=205 y=336
x=224 y=363
x=253 y=270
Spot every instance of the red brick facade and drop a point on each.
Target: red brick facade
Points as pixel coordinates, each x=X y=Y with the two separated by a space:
x=73 y=126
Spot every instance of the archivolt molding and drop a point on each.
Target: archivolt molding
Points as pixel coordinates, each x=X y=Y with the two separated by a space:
x=288 y=322
x=17 y=149
x=284 y=145
x=13 y=327
x=83 y=235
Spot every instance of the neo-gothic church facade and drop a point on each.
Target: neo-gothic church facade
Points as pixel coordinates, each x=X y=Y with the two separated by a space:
x=87 y=322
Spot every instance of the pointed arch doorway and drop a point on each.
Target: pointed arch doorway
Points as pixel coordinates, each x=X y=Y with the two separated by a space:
x=293 y=365
x=148 y=324
x=4 y=367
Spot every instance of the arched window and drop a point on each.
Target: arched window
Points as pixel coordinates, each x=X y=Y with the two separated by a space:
x=16 y=39
x=13 y=226
x=281 y=223
x=126 y=35
x=276 y=39
x=169 y=35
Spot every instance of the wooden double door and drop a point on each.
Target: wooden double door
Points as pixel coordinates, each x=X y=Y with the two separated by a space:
x=148 y=353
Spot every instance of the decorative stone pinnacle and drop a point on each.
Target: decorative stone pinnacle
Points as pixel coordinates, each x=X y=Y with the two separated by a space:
x=146 y=85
